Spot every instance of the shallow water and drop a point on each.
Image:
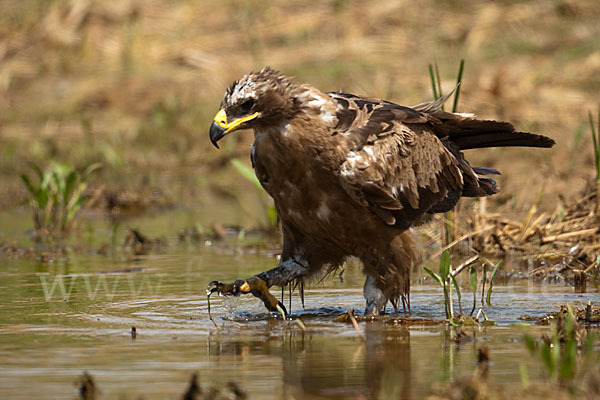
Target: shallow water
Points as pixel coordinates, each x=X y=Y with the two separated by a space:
x=61 y=318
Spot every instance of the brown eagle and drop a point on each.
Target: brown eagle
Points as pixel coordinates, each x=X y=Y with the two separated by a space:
x=349 y=175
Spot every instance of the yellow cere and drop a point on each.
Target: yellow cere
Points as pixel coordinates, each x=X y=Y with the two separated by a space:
x=221 y=119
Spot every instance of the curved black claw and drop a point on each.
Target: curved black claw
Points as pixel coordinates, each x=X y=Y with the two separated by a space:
x=281 y=308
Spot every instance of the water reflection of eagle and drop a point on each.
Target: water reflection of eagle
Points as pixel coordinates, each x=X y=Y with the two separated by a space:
x=350 y=174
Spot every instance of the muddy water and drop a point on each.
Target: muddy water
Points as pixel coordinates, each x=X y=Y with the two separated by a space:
x=75 y=314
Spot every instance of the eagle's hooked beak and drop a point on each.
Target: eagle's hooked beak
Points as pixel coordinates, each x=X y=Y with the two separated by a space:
x=220 y=127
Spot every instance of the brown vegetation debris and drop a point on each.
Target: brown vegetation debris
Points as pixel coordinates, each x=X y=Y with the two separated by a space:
x=191 y=233
x=229 y=390
x=49 y=247
x=129 y=201
x=572 y=231
x=13 y=250
x=388 y=319
x=88 y=390
x=585 y=313
x=141 y=244
x=194 y=390
x=87 y=387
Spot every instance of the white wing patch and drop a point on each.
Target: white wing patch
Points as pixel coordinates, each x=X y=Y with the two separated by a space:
x=321 y=105
x=316 y=103
x=327 y=117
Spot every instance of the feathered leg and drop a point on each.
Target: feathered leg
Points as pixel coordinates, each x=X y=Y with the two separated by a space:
x=375 y=298
x=388 y=278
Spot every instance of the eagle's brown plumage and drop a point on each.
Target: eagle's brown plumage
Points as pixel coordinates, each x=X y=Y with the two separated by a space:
x=350 y=174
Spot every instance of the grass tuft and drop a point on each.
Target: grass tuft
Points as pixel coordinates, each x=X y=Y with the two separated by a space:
x=443 y=279
x=57 y=196
x=566 y=356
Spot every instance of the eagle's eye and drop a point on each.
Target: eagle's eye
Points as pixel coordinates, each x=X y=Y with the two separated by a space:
x=247 y=105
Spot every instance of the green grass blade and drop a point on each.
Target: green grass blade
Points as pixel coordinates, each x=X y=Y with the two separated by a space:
x=434 y=276
x=47 y=179
x=432 y=77
x=246 y=172
x=88 y=171
x=473 y=279
x=28 y=184
x=595 y=139
x=453 y=279
x=494 y=270
x=41 y=198
x=458 y=84
x=488 y=298
x=68 y=185
x=77 y=205
x=445 y=265
x=547 y=359
x=455 y=283
x=438 y=80
x=484 y=267
x=272 y=215
x=37 y=170
x=593 y=128
x=529 y=343
x=567 y=365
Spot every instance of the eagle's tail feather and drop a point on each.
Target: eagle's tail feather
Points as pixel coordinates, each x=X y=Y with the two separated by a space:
x=471 y=133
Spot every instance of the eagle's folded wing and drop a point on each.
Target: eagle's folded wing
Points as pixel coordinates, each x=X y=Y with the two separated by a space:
x=396 y=167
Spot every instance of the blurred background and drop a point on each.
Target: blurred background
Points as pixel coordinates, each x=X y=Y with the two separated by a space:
x=106 y=105
x=134 y=85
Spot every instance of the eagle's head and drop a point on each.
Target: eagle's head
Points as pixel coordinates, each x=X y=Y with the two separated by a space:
x=259 y=99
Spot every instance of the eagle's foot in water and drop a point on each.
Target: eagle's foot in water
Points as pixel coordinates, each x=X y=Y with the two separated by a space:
x=255 y=286
x=287 y=271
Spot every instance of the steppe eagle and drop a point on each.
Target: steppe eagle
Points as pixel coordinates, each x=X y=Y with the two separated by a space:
x=349 y=175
